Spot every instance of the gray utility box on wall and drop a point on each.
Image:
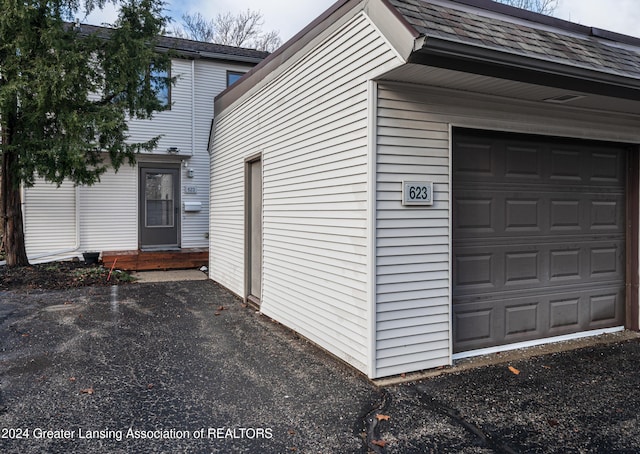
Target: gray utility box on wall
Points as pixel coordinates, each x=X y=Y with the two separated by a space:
x=192 y=207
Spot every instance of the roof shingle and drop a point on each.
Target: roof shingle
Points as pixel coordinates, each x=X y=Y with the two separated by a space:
x=505 y=35
x=193 y=47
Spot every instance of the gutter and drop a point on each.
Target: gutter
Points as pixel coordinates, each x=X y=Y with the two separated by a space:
x=449 y=54
x=229 y=57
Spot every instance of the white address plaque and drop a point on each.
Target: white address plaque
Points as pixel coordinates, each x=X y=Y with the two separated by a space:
x=417 y=193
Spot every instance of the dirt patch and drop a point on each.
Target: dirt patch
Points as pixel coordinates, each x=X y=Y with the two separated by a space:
x=59 y=275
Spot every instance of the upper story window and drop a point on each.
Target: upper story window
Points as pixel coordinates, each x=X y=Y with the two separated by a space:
x=233 y=77
x=159 y=81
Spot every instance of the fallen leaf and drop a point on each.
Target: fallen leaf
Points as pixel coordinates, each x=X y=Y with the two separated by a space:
x=553 y=422
x=380 y=417
x=514 y=370
x=150 y=386
x=547 y=367
x=380 y=443
x=72 y=379
x=26 y=335
x=87 y=391
x=216 y=313
x=221 y=308
x=292 y=432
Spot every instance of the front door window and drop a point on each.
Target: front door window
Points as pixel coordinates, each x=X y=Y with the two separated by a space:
x=159 y=200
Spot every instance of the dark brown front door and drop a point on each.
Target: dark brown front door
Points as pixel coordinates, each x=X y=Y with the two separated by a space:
x=538 y=238
x=159 y=207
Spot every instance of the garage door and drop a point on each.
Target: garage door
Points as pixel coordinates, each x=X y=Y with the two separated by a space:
x=538 y=238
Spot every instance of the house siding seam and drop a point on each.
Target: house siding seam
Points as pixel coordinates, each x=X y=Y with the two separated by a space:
x=314 y=149
x=412 y=244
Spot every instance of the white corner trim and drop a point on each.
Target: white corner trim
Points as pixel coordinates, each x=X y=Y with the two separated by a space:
x=372 y=89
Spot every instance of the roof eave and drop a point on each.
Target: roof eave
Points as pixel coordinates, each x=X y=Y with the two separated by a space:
x=385 y=17
x=449 y=54
x=283 y=53
x=228 y=57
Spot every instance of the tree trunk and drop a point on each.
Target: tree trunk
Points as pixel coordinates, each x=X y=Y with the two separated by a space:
x=11 y=210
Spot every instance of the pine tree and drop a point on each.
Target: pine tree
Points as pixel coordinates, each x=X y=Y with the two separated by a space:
x=66 y=94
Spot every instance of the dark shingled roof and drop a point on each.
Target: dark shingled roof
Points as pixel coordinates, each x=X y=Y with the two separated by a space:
x=196 y=49
x=578 y=47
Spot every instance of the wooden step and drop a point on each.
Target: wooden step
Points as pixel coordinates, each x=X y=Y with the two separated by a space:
x=156 y=260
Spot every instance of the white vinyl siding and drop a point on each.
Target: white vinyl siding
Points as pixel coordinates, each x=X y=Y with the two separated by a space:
x=174 y=125
x=187 y=126
x=50 y=219
x=109 y=210
x=109 y=219
x=412 y=243
x=310 y=125
x=107 y=216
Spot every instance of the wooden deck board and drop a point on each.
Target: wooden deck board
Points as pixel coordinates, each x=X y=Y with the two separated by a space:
x=156 y=260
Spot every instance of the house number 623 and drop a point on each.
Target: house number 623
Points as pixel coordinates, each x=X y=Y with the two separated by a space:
x=417 y=193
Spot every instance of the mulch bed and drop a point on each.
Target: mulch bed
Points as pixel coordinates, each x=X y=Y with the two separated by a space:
x=59 y=276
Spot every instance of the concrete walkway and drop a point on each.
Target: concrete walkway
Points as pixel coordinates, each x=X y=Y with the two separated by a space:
x=184 y=366
x=145 y=277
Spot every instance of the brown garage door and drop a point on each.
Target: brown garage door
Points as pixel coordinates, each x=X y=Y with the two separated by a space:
x=538 y=237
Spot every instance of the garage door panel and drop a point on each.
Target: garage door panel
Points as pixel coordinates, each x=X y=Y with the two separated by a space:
x=539 y=238
x=606 y=167
x=475 y=159
x=475 y=271
x=606 y=215
x=564 y=313
x=543 y=164
x=564 y=215
x=566 y=165
x=476 y=215
x=512 y=214
x=506 y=266
x=605 y=308
x=523 y=162
x=503 y=321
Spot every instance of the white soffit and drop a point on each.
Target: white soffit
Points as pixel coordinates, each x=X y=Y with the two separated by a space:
x=457 y=80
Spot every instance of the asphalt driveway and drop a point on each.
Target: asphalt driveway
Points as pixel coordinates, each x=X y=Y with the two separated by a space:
x=185 y=367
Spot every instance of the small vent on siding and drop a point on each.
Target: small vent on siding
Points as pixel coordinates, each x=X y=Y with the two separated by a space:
x=564 y=99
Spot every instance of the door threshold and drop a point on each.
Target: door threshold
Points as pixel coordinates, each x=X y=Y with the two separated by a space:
x=254 y=301
x=160 y=249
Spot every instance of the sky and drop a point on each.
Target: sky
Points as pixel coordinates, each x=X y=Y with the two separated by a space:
x=289 y=16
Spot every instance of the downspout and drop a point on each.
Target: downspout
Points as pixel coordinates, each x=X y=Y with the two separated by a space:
x=193 y=107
